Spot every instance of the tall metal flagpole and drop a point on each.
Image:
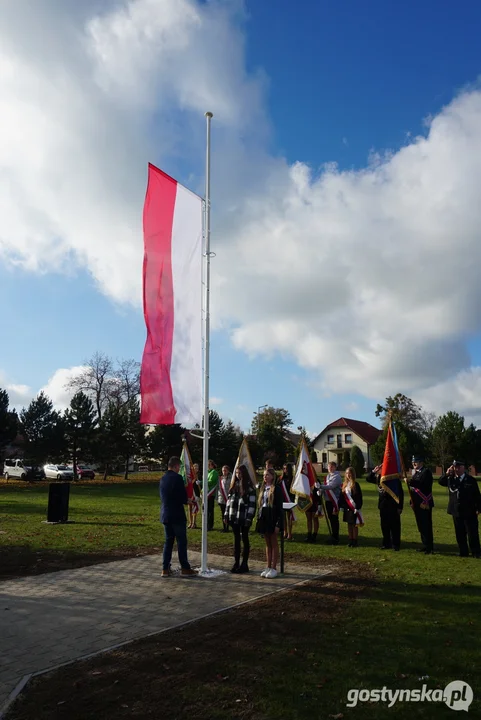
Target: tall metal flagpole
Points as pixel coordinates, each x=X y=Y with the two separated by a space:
x=205 y=467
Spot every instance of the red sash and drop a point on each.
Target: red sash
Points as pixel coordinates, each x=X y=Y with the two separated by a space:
x=426 y=499
x=351 y=506
x=221 y=488
x=287 y=499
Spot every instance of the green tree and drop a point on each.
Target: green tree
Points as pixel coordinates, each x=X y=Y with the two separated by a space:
x=269 y=427
x=79 y=425
x=357 y=460
x=121 y=436
x=346 y=459
x=43 y=429
x=413 y=428
x=8 y=424
x=313 y=456
x=231 y=440
x=164 y=441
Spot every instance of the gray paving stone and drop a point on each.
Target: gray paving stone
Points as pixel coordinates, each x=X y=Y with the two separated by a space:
x=59 y=617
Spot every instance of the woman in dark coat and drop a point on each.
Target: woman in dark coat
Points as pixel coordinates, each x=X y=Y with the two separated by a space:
x=351 y=502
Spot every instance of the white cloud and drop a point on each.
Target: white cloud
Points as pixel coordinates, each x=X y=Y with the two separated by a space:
x=368 y=277
x=56 y=386
x=461 y=393
x=18 y=395
x=216 y=401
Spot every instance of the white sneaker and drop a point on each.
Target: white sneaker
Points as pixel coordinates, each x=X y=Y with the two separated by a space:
x=265 y=572
x=271 y=574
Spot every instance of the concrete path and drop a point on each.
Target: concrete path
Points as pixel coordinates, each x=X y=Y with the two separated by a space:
x=52 y=619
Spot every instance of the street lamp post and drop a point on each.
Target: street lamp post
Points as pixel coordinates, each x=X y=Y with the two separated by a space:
x=261 y=407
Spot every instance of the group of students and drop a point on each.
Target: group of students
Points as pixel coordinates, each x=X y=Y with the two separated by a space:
x=241 y=502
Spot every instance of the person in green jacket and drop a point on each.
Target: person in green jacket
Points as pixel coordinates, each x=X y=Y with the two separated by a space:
x=212 y=484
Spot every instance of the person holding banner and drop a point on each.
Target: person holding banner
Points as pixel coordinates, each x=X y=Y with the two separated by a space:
x=331 y=489
x=194 y=506
x=350 y=501
x=390 y=507
x=212 y=483
x=239 y=513
x=270 y=520
x=224 y=485
x=421 y=489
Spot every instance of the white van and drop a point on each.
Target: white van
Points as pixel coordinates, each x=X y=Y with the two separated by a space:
x=21 y=469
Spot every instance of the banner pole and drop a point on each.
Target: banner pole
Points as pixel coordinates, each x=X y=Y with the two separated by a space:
x=205 y=459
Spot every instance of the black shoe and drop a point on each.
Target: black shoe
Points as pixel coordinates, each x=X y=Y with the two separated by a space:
x=429 y=552
x=354 y=544
x=463 y=554
x=421 y=550
x=309 y=538
x=244 y=568
x=334 y=541
x=386 y=547
x=396 y=549
x=349 y=544
x=314 y=537
x=477 y=556
x=235 y=568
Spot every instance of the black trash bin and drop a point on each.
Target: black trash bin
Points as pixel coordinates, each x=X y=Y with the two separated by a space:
x=58 y=497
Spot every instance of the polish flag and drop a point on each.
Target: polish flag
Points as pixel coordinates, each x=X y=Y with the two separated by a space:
x=171 y=374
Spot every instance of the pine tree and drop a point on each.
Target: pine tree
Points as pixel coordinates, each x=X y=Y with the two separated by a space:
x=357 y=460
x=80 y=423
x=43 y=429
x=8 y=424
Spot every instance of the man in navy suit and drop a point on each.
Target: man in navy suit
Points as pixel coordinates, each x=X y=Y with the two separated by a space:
x=173 y=495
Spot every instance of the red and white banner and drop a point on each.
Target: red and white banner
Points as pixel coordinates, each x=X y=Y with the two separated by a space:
x=171 y=375
x=304 y=480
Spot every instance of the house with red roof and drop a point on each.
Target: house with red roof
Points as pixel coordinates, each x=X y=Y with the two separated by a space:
x=341 y=435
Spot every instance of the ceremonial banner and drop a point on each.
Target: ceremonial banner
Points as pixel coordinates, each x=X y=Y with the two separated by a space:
x=244 y=458
x=171 y=374
x=187 y=472
x=304 y=480
x=391 y=466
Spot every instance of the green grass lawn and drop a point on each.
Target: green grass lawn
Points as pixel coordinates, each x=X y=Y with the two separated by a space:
x=421 y=619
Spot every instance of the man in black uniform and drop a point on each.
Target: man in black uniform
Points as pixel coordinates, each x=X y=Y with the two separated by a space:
x=389 y=511
x=464 y=505
x=421 y=486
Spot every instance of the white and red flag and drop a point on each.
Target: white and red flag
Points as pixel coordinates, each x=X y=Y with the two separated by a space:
x=171 y=374
x=187 y=472
x=304 y=480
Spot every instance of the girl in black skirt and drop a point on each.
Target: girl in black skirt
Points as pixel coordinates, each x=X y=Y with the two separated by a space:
x=270 y=520
x=351 y=502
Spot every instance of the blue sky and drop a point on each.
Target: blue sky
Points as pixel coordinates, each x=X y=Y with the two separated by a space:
x=337 y=82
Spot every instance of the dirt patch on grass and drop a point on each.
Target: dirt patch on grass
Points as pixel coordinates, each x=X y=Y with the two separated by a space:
x=237 y=664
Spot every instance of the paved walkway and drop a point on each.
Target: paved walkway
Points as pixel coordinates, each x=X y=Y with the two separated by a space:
x=58 y=617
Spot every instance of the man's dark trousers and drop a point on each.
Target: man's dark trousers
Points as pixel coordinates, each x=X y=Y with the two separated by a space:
x=424 y=521
x=467 y=526
x=175 y=531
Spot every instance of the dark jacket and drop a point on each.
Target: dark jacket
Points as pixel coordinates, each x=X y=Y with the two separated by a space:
x=356 y=495
x=173 y=495
x=386 y=501
x=464 y=495
x=421 y=482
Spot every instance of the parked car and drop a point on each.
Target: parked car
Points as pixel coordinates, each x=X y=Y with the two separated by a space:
x=58 y=472
x=85 y=473
x=22 y=469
